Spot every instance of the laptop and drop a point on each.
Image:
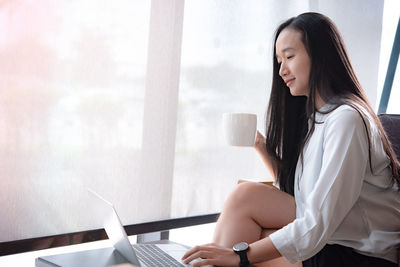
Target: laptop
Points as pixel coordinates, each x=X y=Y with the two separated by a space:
x=142 y=255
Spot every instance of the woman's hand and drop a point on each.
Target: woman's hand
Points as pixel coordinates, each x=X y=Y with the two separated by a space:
x=260 y=143
x=211 y=254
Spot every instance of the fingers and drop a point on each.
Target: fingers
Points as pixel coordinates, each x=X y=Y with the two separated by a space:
x=205 y=252
x=203 y=263
x=260 y=142
x=211 y=254
x=195 y=252
x=205 y=256
x=189 y=253
x=260 y=136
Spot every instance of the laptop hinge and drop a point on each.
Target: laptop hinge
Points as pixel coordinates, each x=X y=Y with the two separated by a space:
x=150 y=237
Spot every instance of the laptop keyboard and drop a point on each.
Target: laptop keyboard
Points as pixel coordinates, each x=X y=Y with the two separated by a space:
x=153 y=256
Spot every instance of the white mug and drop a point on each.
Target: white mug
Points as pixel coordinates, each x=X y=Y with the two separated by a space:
x=239 y=128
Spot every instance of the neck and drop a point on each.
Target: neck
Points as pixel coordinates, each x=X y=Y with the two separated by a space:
x=319 y=102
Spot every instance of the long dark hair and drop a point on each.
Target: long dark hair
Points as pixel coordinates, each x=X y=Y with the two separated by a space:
x=332 y=73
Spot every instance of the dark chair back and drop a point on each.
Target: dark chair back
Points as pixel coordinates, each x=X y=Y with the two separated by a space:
x=391 y=124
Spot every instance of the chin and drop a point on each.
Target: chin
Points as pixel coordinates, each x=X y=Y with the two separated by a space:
x=295 y=92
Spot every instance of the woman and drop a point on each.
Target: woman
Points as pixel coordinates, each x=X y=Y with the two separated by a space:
x=338 y=203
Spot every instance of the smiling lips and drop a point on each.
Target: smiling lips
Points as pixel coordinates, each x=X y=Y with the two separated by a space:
x=289 y=81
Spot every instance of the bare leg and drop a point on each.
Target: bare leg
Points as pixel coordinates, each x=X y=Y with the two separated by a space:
x=249 y=209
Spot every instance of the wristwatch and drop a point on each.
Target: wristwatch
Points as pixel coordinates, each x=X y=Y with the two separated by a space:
x=241 y=249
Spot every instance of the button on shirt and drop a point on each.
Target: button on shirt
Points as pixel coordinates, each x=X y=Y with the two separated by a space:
x=338 y=199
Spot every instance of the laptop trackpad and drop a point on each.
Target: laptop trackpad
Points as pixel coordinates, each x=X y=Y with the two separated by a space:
x=176 y=251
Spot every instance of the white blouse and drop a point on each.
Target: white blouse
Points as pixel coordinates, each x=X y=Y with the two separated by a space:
x=339 y=200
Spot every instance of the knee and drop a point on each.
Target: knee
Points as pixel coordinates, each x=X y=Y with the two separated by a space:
x=245 y=193
x=244 y=190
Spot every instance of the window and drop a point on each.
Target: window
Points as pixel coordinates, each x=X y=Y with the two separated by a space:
x=126 y=98
x=391 y=15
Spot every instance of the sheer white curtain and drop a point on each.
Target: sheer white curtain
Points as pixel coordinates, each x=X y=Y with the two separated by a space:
x=72 y=90
x=126 y=97
x=226 y=67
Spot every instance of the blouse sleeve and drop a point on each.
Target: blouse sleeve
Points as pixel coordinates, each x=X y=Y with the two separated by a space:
x=344 y=163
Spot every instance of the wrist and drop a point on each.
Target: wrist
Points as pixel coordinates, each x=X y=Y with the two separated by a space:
x=260 y=148
x=241 y=250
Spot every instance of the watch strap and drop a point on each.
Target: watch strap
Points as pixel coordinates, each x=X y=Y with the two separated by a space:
x=244 y=261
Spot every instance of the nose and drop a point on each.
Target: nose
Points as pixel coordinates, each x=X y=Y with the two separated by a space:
x=283 y=71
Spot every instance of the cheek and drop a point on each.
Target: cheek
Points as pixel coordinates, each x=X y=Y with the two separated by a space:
x=306 y=75
x=305 y=72
x=304 y=80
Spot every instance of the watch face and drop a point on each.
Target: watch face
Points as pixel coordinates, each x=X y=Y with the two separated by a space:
x=241 y=246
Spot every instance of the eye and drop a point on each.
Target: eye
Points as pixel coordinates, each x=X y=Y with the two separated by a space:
x=289 y=57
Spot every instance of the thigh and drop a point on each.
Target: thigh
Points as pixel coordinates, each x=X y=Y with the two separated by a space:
x=266 y=205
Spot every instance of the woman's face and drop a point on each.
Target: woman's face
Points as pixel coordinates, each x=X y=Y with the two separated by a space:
x=294 y=61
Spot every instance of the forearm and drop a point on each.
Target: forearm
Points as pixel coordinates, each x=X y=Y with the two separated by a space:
x=261 y=148
x=269 y=162
x=262 y=250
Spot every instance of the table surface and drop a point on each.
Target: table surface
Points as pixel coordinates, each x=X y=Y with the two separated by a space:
x=28 y=259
